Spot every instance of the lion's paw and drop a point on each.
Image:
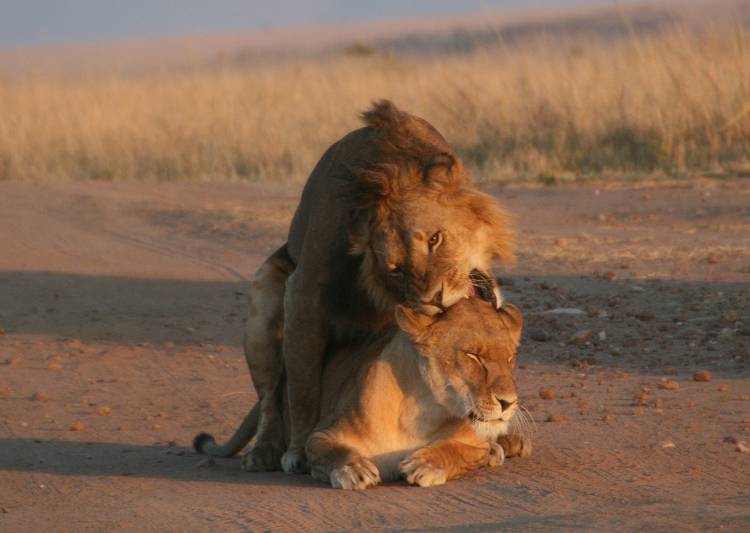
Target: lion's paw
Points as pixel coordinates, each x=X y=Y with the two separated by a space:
x=263 y=457
x=419 y=470
x=357 y=474
x=294 y=461
x=515 y=445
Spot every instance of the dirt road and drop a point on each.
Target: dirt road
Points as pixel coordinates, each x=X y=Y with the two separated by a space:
x=121 y=308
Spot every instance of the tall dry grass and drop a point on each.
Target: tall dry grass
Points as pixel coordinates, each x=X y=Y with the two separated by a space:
x=673 y=103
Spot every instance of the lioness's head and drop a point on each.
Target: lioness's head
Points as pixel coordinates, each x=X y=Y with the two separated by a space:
x=466 y=357
x=428 y=238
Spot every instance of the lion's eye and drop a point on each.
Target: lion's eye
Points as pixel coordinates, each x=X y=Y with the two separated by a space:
x=394 y=269
x=435 y=240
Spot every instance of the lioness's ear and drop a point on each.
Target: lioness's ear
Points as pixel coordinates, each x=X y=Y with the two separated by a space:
x=359 y=230
x=442 y=171
x=413 y=323
x=513 y=320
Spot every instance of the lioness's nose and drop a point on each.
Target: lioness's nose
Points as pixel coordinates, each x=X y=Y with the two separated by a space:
x=506 y=403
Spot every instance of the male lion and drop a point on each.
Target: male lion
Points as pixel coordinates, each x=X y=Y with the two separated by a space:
x=388 y=216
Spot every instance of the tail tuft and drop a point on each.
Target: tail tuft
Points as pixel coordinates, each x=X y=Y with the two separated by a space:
x=201 y=441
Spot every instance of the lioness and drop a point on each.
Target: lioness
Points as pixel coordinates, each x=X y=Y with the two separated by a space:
x=436 y=402
x=388 y=216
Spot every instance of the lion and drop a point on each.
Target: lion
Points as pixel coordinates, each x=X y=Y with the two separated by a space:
x=388 y=217
x=429 y=401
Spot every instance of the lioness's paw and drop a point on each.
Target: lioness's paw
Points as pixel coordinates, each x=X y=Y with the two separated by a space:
x=497 y=455
x=357 y=474
x=263 y=457
x=294 y=461
x=515 y=445
x=419 y=470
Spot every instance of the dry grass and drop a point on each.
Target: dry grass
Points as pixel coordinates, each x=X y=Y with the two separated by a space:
x=673 y=103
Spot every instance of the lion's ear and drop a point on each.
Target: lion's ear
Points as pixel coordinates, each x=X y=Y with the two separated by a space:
x=442 y=171
x=413 y=323
x=513 y=320
x=359 y=230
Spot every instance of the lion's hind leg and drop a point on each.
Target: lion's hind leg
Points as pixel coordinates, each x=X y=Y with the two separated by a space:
x=262 y=344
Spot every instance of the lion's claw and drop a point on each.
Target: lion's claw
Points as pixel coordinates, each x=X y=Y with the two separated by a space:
x=357 y=474
x=418 y=470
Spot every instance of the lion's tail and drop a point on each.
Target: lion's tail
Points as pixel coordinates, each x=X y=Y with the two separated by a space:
x=205 y=443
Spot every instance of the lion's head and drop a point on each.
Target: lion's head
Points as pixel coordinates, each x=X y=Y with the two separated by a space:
x=466 y=357
x=426 y=236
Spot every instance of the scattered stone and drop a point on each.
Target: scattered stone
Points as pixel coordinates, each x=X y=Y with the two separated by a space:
x=547 y=393
x=668 y=444
x=671 y=371
x=565 y=311
x=645 y=316
x=638 y=411
x=730 y=316
x=712 y=259
x=12 y=361
x=580 y=337
x=723 y=388
x=562 y=242
x=538 y=334
x=556 y=418
x=602 y=335
x=641 y=399
x=104 y=411
x=78 y=426
x=743 y=397
x=606 y=418
x=637 y=288
x=38 y=396
x=609 y=275
x=703 y=375
x=658 y=404
x=54 y=366
x=669 y=385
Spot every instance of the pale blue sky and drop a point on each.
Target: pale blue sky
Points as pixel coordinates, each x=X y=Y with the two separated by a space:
x=25 y=22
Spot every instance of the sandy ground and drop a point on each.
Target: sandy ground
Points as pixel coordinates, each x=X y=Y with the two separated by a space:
x=121 y=308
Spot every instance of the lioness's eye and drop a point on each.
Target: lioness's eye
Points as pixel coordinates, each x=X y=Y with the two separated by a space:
x=394 y=269
x=435 y=240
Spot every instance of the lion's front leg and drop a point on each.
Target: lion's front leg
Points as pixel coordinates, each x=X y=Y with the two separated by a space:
x=331 y=461
x=305 y=341
x=444 y=460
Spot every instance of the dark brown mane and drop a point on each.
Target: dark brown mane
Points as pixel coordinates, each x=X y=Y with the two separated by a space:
x=409 y=153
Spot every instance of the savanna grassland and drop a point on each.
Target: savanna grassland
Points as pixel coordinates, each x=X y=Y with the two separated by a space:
x=672 y=102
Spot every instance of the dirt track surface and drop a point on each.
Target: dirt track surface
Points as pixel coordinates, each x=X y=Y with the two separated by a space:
x=121 y=308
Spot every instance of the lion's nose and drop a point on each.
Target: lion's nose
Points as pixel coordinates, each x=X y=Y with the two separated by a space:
x=437 y=299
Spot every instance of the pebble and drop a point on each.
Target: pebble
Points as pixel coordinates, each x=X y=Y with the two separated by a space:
x=547 y=393
x=580 y=337
x=54 y=366
x=712 y=259
x=38 y=396
x=638 y=411
x=645 y=316
x=78 y=426
x=556 y=418
x=703 y=375
x=668 y=444
x=104 y=411
x=723 y=388
x=669 y=385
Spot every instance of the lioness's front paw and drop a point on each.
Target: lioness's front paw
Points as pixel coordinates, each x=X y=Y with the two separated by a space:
x=263 y=457
x=294 y=461
x=515 y=445
x=418 y=469
x=357 y=474
x=497 y=455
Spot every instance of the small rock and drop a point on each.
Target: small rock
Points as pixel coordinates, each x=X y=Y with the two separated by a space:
x=104 y=411
x=671 y=371
x=723 y=387
x=538 y=334
x=668 y=444
x=12 y=361
x=645 y=316
x=38 y=396
x=547 y=393
x=637 y=288
x=54 y=366
x=638 y=411
x=641 y=399
x=562 y=243
x=171 y=443
x=606 y=418
x=658 y=404
x=580 y=337
x=609 y=275
x=78 y=426
x=703 y=375
x=556 y=418
x=602 y=335
x=712 y=259
x=743 y=397
x=669 y=385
